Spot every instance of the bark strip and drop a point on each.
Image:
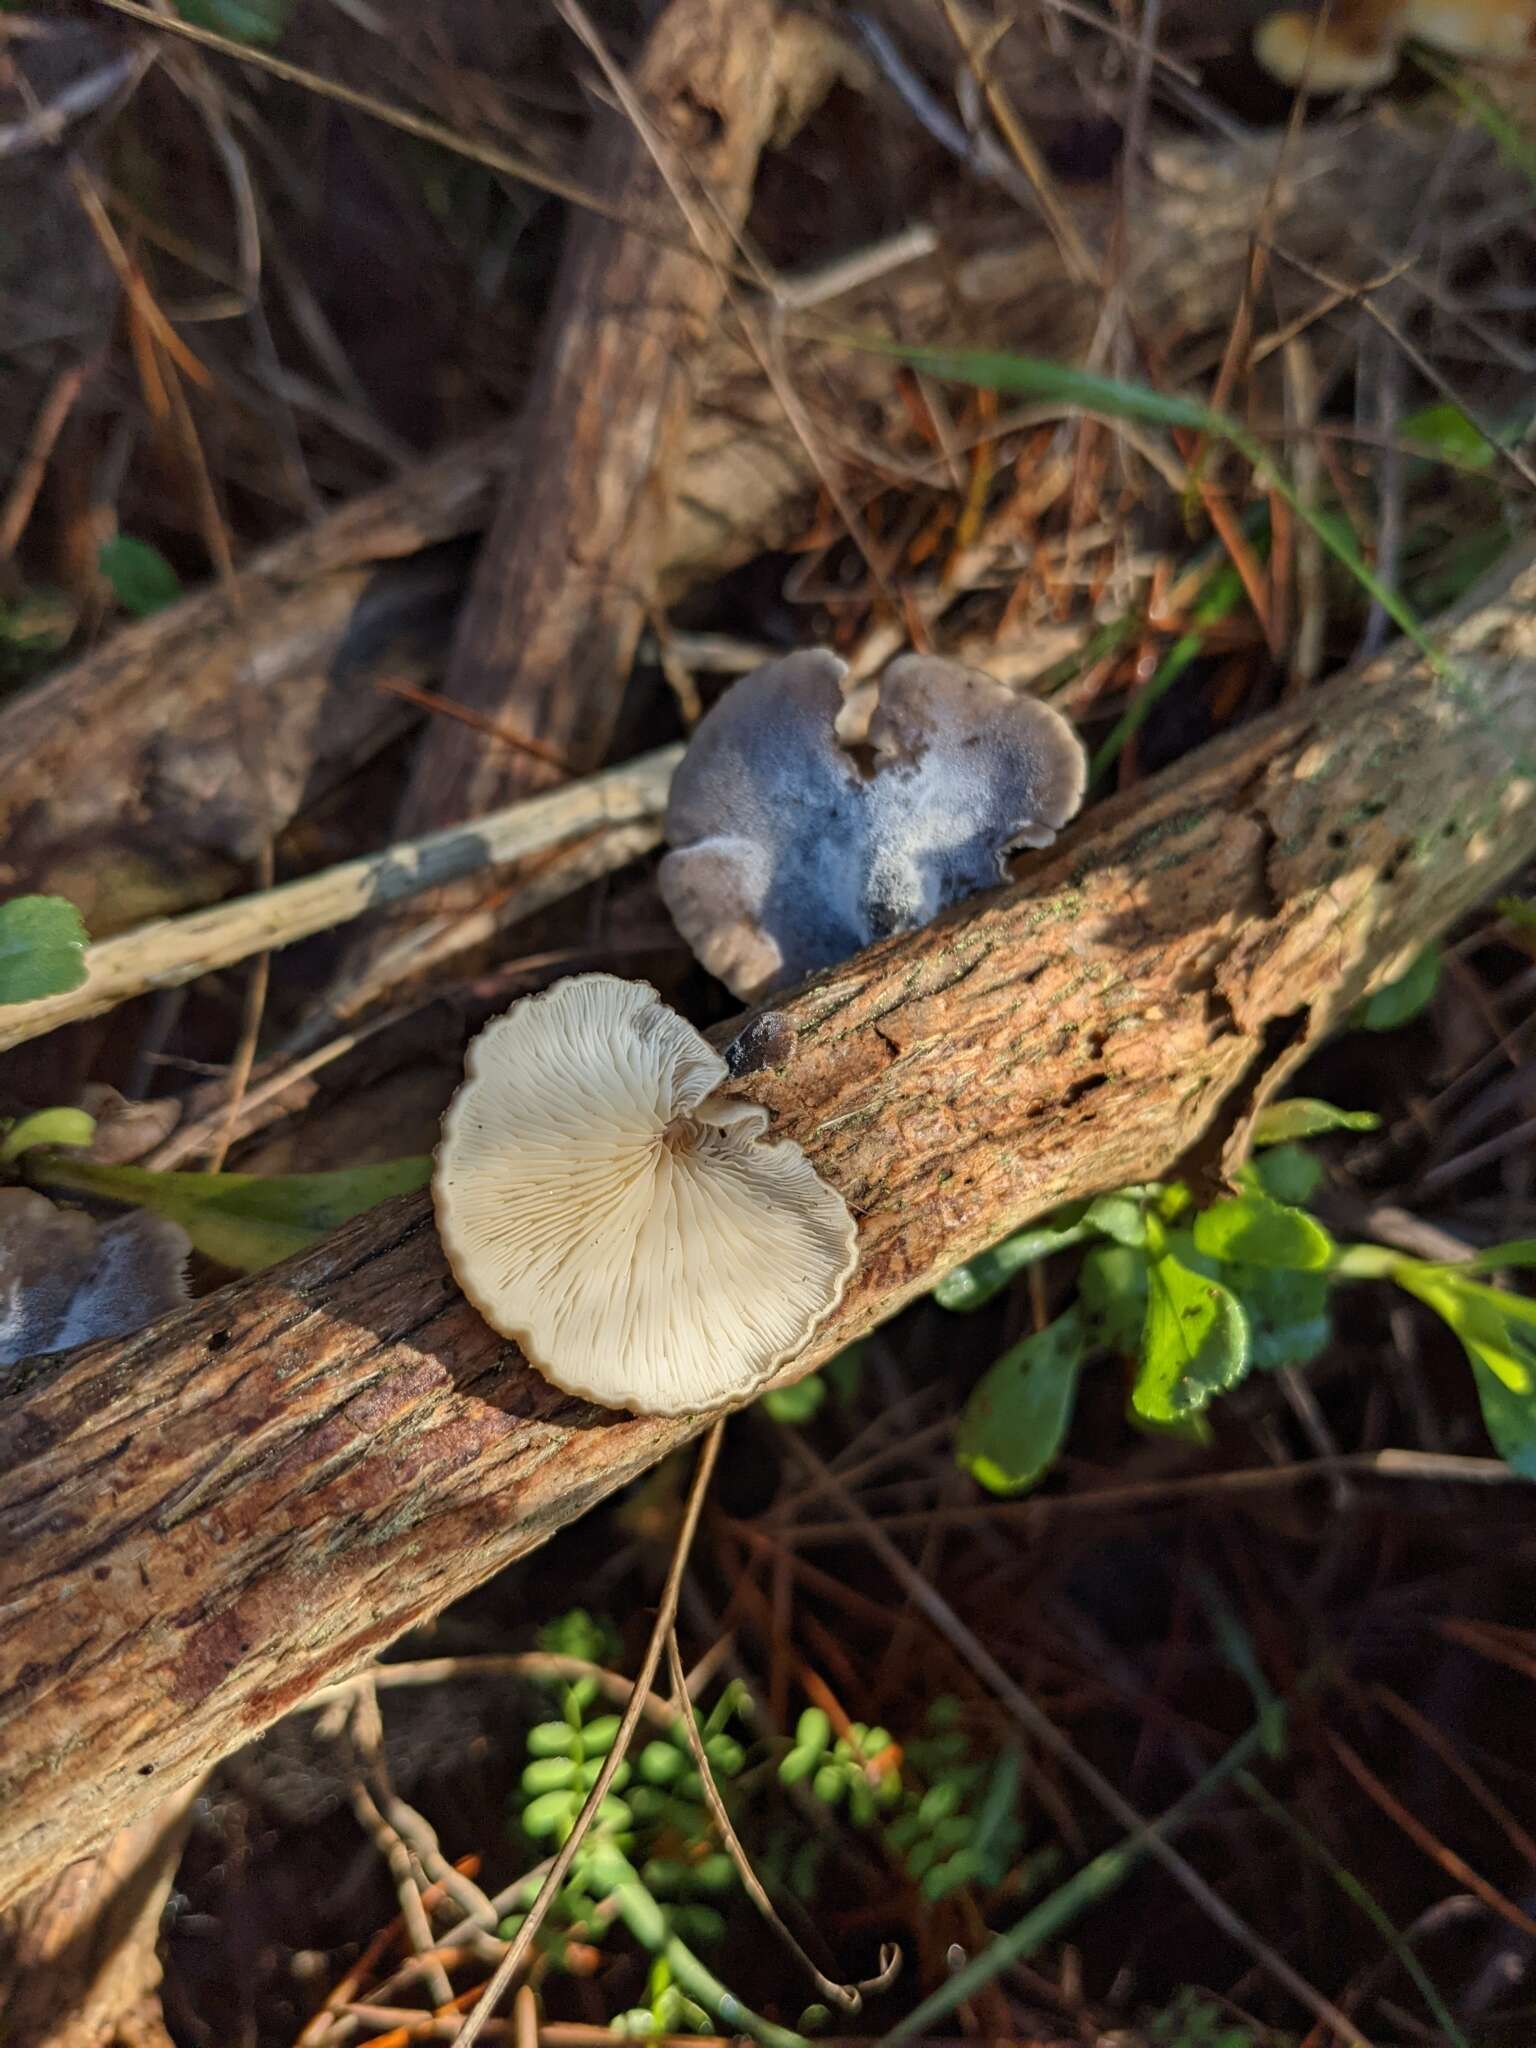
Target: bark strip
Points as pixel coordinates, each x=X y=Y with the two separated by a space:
x=204 y=1523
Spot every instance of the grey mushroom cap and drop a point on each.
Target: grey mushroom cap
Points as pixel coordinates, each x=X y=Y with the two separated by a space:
x=790 y=852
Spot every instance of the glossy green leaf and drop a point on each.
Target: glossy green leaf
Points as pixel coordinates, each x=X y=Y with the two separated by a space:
x=1194 y=1341
x=142 y=580
x=46 y=1127
x=1404 y=999
x=42 y=948
x=1016 y=1418
x=974 y=1284
x=1303 y=1116
x=242 y=1220
x=1255 y=1230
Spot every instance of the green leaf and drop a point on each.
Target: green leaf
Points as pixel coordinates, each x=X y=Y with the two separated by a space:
x=975 y=1283
x=1194 y=1341
x=1520 y=911
x=244 y=21
x=1112 y=1294
x=1498 y=1334
x=142 y=580
x=46 y=1127
x=1016 y=1418
x=1497 y=1329
x=1444 y=431
x=244 y=1220
x=1509 y=1418
x=1402 y=1000
x=1517 y=1251
x=1256 y=1230
x=797 y=1404
x=1118 y=1216
x=1303 y=1116
x=42 y=948
x=1287 y=1314
x=1289 y=1173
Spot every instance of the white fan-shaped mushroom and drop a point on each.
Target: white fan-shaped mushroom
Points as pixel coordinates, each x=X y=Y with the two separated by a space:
x=641 y=1240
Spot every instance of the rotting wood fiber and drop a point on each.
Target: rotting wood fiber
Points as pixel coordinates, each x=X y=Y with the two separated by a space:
x=204 y=1523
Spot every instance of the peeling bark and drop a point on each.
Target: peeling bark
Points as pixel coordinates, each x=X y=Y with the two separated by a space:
x=202 y=1524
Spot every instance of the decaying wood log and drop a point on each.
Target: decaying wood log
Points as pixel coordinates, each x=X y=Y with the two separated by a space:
x=570 y=566
x=202 y=1524
x=171 y=816
x=79 y=1957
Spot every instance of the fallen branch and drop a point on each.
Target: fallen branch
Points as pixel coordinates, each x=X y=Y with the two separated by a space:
x=178 y=950
x=201 y=1525
x=171 y=816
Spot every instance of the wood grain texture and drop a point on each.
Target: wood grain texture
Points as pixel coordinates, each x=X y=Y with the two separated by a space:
x=202 y=1524
x=171 y=815
x=572 y=562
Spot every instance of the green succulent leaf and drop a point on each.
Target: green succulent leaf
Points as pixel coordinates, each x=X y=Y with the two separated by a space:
x=1303 y=1116
x=243 y=1220
x=1194 y=1341
x=1255 y=1230
x=1014 y=1423
x=42 y=948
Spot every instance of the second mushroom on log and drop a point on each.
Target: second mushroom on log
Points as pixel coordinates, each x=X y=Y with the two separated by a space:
x=807 y=821
x=598 y=1197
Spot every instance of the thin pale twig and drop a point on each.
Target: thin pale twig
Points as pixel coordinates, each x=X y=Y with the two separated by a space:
x=666 y=1614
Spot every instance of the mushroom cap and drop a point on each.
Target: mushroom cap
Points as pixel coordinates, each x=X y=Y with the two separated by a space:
x=640 y=1238
x=66 y=1279
x=790 y=853
x=1335 y=56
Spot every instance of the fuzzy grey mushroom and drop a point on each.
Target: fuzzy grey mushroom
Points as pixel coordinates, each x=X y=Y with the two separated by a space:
x=790 y=851
x=636 y=1233
x=66 y=1279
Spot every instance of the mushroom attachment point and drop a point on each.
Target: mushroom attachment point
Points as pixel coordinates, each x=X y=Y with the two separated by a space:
x=803 y=827
x=634 y=1231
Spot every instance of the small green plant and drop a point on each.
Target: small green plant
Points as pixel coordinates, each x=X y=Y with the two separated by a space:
x=651 y=1858
x=947 y=1814
x=1194 y=2021
x=1201 y=1298
x=42 y=948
